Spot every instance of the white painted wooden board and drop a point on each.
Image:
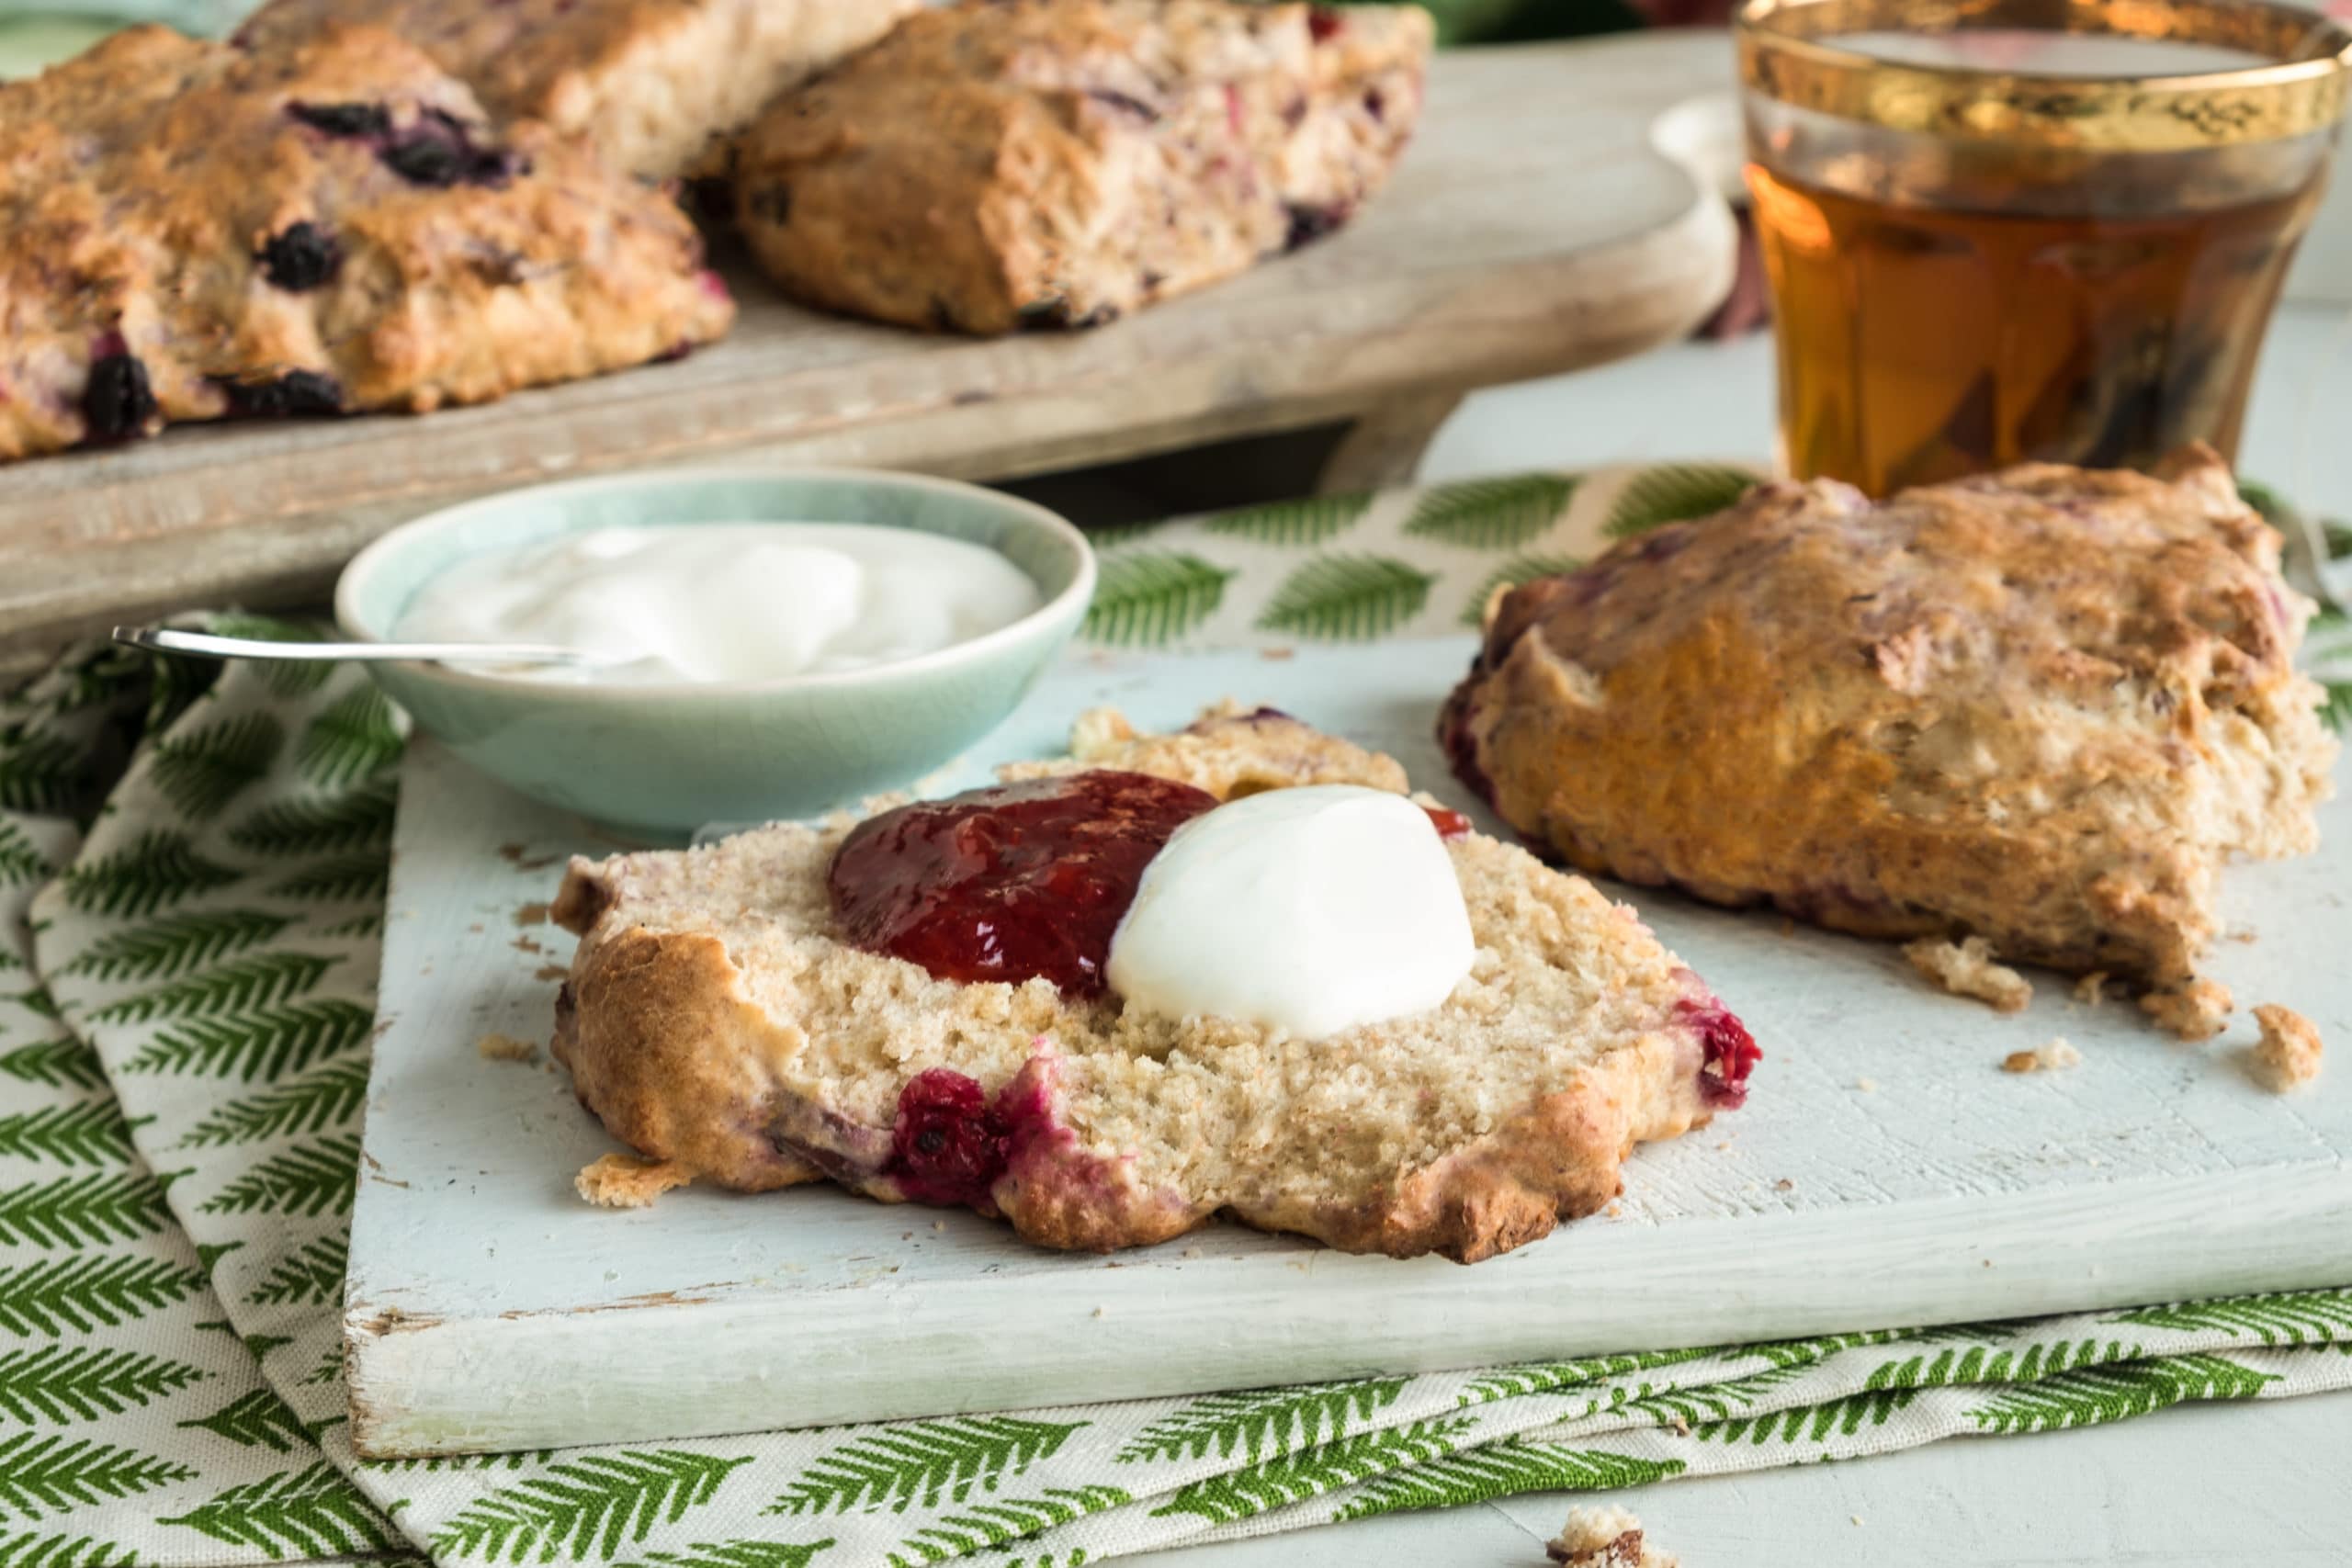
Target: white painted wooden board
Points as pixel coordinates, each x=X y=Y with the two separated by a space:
x=489 y=1308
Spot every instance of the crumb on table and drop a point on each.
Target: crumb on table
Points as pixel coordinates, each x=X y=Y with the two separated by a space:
x=496 y=1047
x=2053 y=1056
x=2193 y=1011
x=1968 y=968
x=2288 y=1056
x=625 y=1181
x=1605 y=1537
x=2091 y=989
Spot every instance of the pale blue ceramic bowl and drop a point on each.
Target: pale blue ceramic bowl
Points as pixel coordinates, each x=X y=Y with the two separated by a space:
x=662 y=760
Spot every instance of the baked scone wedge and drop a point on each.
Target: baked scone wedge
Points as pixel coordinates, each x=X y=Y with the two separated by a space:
x=716 y=1023
x=655 y=85
x=1001 y=163
x=193 y=230
x=2042 y=707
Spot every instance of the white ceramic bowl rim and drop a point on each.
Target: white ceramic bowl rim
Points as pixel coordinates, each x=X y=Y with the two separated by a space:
x=1080 y=587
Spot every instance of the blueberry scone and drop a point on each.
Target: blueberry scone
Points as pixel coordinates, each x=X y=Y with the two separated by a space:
x=193 y=230
x=1008 y=1000
x=1000 y=164
x=650 y=83
x=2039 y=708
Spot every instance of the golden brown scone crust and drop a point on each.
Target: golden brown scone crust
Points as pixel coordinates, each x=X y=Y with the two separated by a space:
x=714 y=1024
x=649 y=83
x=154 y=194
x=1060 y=163
x=2042 y=707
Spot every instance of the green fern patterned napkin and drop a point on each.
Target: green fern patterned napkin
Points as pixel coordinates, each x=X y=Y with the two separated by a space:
x=204 y=932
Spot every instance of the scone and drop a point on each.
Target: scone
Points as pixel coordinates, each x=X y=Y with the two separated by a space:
x=193 y=230
x=718 y=1019
x=651 y=82
x=2041 y=707
x=1002 y=164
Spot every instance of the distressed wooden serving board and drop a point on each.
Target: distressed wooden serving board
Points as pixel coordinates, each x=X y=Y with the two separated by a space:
x=1885 y=1172
x=1532 y=228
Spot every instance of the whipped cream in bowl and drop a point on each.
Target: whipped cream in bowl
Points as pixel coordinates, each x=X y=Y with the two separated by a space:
x=769 y=642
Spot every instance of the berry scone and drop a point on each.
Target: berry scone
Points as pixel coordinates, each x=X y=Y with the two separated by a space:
x=2039 y=708
x=1001 y=163
x=1231 y=970
x=193 y=230
x=653 y=83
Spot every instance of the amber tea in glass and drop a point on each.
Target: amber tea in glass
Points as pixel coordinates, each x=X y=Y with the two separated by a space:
x=1998 y=231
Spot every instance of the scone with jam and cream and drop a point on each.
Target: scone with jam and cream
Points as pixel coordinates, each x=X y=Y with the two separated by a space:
x=195 y=231
x=1234 y=970
x=1005 y=164
x=2041 y=708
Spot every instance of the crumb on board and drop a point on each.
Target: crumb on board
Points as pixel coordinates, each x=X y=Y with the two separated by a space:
x=1868 y=1086
x=1101 y=1312
x=2050 y=1056
x=496 y=1047
x=939 y=1225
x=1968 y=968
x=531 y=914
x=625 y=1181
x=1605 y=1537
x=1784 y=1185
x=2288 y=1056
x=2091 y=989
x=2194 y=1011
x=550 y=972
x=1788 y=927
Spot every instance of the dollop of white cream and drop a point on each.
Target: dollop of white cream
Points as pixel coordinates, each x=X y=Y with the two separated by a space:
x=725 y=601
x=1309 y=910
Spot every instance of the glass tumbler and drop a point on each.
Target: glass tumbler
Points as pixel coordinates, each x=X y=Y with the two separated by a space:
x=2008 y=229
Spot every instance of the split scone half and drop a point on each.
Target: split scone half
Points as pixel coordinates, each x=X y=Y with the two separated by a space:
x=653 y=84
x=1005 y=164
x=2042 y=709
x=718 y=1023
x=195 y=231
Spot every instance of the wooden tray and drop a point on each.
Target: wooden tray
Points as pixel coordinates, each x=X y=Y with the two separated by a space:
x=1532 y=228
x=1885 y=1172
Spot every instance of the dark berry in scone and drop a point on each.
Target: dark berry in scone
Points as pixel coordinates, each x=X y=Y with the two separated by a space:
x=193 y=229
x=1003 y=163
x=650 y=83
x=2041 y=707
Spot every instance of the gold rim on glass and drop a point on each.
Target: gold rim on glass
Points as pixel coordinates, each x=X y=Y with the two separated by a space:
x=1786 y=52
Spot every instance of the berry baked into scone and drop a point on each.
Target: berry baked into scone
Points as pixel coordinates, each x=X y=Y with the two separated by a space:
x=1002 y=164
x=2038 y=709
x=195 y=231
x=650 y=83
x=1230 y=970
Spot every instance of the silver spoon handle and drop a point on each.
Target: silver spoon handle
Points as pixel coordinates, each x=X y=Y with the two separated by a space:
x=204 y=645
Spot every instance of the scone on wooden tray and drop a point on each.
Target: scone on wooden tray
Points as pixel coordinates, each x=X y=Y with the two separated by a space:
x=721 y=1020
x=653 y=83
x=2042 y=709
x=195 y=231
x=1001 y=163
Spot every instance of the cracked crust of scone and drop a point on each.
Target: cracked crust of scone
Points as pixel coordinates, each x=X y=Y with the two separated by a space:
x=999 y=164
x=2042 y=707
x=712 y=1023
x=197 y=231
x=650 y=83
